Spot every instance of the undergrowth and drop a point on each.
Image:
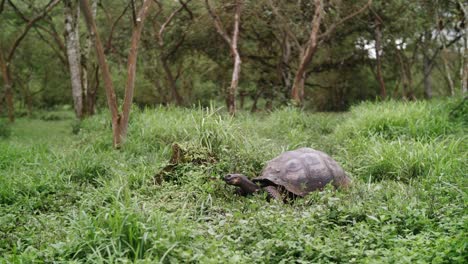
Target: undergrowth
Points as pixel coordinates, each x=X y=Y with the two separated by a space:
x=67 y=195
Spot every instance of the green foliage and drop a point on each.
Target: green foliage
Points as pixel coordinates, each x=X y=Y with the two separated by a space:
x=420 y=120
x=68 y=197
x=403 y=141
x=459 y=110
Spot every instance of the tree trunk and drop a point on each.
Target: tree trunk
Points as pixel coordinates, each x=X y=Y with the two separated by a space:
x=297 y=92
x=242 y=99
x=448 y=76
x=233 y=45
x=232 y=92
x=7 y=83
x=464 y=66
x=427 y=68
x=464 y=79
x=378 y=53
x=131 y=66
x=255 y=102
x=237 y=60
x=91 y=96
x=89 y=92
x=27 y=97
x=283 y=65
x=171 y=82
x=119 y=120
x=73 y=53
x=109 y=87
x=406 y=75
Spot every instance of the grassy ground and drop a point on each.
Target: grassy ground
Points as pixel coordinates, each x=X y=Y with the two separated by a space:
x=67 y=197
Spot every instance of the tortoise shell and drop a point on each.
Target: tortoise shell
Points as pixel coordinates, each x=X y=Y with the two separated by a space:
x=302 y=171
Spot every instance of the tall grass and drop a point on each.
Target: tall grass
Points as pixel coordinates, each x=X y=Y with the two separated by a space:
x=68 y=197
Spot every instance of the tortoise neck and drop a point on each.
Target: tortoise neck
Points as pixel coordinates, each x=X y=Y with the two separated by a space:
x=248 y=187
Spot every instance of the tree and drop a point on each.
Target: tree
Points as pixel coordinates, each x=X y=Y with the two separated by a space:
x=165 y=52
x=77 y=58
x=378 y=54
x=119 y=119
x=7 y=53
x=232 y=41
x=464 y=67
x=308 y=48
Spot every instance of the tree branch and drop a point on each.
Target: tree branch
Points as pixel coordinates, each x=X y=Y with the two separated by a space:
x=332 y=28
x=132 y=61
x=218 y=24
x=168 y=20
x=184 y=5
x=285 y=26
x=114 y=24
x=31 y=22
x=16 y=9
x=45 y=40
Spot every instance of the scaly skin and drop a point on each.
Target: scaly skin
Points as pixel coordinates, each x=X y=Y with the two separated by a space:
x=247 y=187
x=273 y=193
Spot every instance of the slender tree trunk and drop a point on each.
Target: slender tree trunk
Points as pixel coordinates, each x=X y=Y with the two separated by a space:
x=285 y=73
x=232 y=92
x=406 y=75
x=233 y=45
x=464 y=66
x=92 y=93
x=171 y=81
x=446 y=72
x=89 y=96
x=237 y=59
x=427 y=69
x=427 y=66
x=9 y=100
x=119 y=120
x=27 y=97
x=464 y=79
x=448 y=76
x=108 y=85
x=131 y=65
x=8 y=84
x=73 y=53
x=242 y=99
x=378 y=53
x=255 y=102
x=283 y=65
x=297 y=92
x=409 y=77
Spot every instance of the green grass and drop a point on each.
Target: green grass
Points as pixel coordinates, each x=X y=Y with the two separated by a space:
x=68 y=196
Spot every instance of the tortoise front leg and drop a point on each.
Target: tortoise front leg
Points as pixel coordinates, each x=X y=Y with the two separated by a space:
x=274 y=193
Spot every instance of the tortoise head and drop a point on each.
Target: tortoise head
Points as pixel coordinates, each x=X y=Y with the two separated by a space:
x=235 y=179
x=246 y=186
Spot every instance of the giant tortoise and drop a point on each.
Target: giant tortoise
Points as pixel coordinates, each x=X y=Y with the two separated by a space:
x=293 y=174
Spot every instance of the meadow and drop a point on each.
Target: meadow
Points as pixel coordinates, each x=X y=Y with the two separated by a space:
x=67 y=196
